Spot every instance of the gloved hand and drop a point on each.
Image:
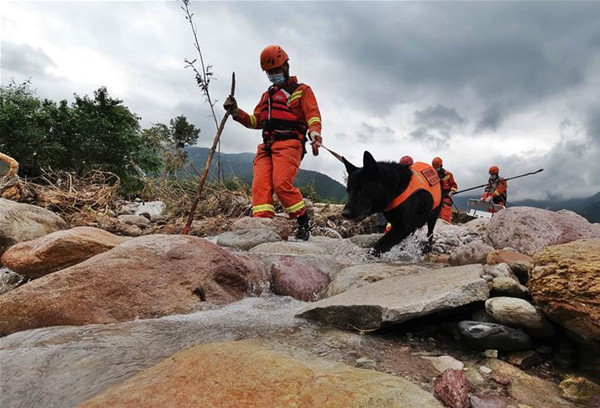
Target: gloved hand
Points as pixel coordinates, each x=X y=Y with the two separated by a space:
x=488 y=199
x=230 y=105
x=450 y=193
x=316 y=141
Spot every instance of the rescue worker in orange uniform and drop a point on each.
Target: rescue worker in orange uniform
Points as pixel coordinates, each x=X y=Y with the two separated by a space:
x=449 y=187
x=287 y=113
x=496 y=189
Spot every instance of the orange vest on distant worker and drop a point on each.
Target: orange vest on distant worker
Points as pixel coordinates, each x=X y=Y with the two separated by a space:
x=424 y=178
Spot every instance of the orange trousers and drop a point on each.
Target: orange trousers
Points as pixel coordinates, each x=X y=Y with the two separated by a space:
x=446 y=211
x=274 y=172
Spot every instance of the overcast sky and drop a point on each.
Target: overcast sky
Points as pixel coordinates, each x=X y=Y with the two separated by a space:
x=513 y=84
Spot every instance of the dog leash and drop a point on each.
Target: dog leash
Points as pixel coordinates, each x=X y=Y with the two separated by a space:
x=337 y=156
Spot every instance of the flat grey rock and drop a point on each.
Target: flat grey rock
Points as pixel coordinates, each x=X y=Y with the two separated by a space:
x=396 y=300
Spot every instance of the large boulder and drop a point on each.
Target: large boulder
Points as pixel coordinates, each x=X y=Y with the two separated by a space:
x=58 y=250
x=24 y=222
x=565 y=283
x=246 y=373
x=529 y=230
x=396 y=300
x=146 y=277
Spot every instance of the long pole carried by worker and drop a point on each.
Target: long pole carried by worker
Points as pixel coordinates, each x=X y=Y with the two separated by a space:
x=188 y=224
x=510 y=178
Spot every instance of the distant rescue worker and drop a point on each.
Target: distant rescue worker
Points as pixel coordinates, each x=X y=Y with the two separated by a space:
x=496 y=188
x=287 y=113
x=407 y=160
x=449 y=187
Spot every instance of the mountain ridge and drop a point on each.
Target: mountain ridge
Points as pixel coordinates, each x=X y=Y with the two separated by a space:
x=240 y=166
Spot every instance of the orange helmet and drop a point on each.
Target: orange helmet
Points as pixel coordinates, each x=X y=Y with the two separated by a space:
x=273 y=56
x=407 y=160
x=494 y=170
x=436 y=162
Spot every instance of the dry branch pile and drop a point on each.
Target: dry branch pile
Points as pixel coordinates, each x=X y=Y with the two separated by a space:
x=76 y=198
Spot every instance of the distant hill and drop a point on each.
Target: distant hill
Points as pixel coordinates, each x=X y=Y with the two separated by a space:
x=587 y=207
x=240 y=166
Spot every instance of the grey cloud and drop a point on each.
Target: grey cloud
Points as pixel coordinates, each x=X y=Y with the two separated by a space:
x=436 y=124
x=519 y=53
x=593 y=126
x=491 y=119
x=24 y=59
x=570 y=170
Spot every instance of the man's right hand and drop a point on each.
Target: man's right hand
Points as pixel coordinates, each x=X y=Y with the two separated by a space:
x=230 y=105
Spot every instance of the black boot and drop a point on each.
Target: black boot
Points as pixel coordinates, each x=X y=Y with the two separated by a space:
x=303 y=228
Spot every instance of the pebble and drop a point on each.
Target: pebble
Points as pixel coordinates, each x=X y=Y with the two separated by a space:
x=364 y=362
x=485 y=369
x=491 y=353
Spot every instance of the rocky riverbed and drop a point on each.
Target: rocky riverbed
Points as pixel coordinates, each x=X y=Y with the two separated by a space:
x=503 y=313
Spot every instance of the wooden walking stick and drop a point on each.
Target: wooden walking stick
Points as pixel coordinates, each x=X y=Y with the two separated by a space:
x=186 y=229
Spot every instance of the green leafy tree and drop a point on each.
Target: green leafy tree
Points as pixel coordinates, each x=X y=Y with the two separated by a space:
x=91 y=133
x=171 y=140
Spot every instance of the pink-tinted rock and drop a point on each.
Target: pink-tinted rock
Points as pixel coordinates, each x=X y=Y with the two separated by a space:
x=292 y=277
x=145 y=277
x=452 y=388
x=58 y=250
x=471 y=253
x=529 y=230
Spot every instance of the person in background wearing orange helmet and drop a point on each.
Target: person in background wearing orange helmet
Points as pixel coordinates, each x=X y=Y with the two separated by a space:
x=407 y=160
x=496 y=189
x=287 y=113
x=449 y=187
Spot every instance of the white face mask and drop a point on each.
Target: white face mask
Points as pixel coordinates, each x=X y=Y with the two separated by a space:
x=493 y=176
x=277 y=79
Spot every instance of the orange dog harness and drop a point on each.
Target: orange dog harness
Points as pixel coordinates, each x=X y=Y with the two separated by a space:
x=424 y=178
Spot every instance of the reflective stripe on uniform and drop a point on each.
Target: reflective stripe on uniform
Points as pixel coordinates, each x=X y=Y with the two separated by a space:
x=253 y=121
x=263 y=207
x=313 y=120
x=293 y=208
x=295 y=95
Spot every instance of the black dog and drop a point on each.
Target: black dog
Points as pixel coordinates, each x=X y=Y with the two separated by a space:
x=380 y=186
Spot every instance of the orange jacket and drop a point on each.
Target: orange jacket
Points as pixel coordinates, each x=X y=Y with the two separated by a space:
x=448 y=183
x=424 y=178
x=496 y=188
x=302 y=103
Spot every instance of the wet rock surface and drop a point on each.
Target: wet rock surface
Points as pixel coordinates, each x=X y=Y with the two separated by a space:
x=415 y=341
x=146 y=277
x=493 y=336
x=395 y=300
x=259 y=376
